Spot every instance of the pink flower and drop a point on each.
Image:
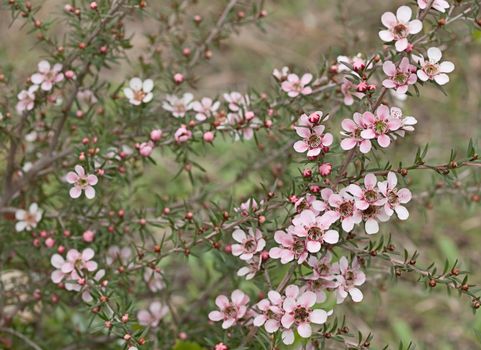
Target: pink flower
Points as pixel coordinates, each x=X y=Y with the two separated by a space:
x=291 y=247
x=139 y=91
x=314 y=137
x=248 y=206
x=440 y=5
x=205 y=108
x=348 y=90
x=399 y=77
x=380 y=125
x=208 y=136
x=249 y=244
x=407 y=123
x=369 y=195
x=153 y=315
x=281 y=74
x=122 y=255
x=270 y=312
x=182 y=134
x=352 y=133
x=343 y=209
x=86 y=96
x=295 y=86
x=154 y=279
x=178 y=107
x=230 y=311
x=319 y=206
x=349 y=278
x=237 y=101
x=74 y=264
x=82 y=182
x=146 y=148
x=221 y=346
x=315 y=229
x=28 y=219
x=26 y=99
x=394 y=197
x=309 y=202
x=47 y=76
x=299 y=313
x=371 y=215
x=432 y=69
x=399 y=27
x=253 y=266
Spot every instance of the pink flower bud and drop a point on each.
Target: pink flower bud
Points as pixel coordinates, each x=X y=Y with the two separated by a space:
x=209 y=136
x=49 y=242
x=182 y=336
x=315 y=189
x=314 y=118
x=307 y=173
x=250 y=115
x=68 y=8
x=93 y=5
x=61 y=249
x=178 y=78
x=156 y=135
x=264 y=255
x=325 y=169
x=36 y=242
x=410 y=48
x=88 y=236
x=70 y=74
x=146 y=149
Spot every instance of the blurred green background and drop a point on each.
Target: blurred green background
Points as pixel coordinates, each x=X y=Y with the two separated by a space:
x=300 y=33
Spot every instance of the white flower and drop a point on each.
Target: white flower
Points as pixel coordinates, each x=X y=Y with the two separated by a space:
x=440 y=5
x=432 y=69
x=47 y=76
x=205 y=108
x=178 y=106
x=399 y=27
x=139 y=91
x=27 y=220
x=26 y=99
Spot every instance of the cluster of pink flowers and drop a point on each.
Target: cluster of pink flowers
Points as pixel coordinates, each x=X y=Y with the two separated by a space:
x=306 y=235
x=74 y=271
x=382 y=125
x=295 y=311
x=314 y=139
x=372 y=203
x=45 y=79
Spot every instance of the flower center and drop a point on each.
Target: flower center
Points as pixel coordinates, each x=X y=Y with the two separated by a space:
x=392 y=197
x=82 y=182
x=139 y=95
x=298 y=247
x=400 y=30
x=30 y=219
x=301 y=314
x=400 y=78
x=346 y=209
x=380 y=127
x=314 y=141
x=431 y=69
x=230 y=311
x=250 y=245
x=370 y=211
x=370 y=195
x=315 y=234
